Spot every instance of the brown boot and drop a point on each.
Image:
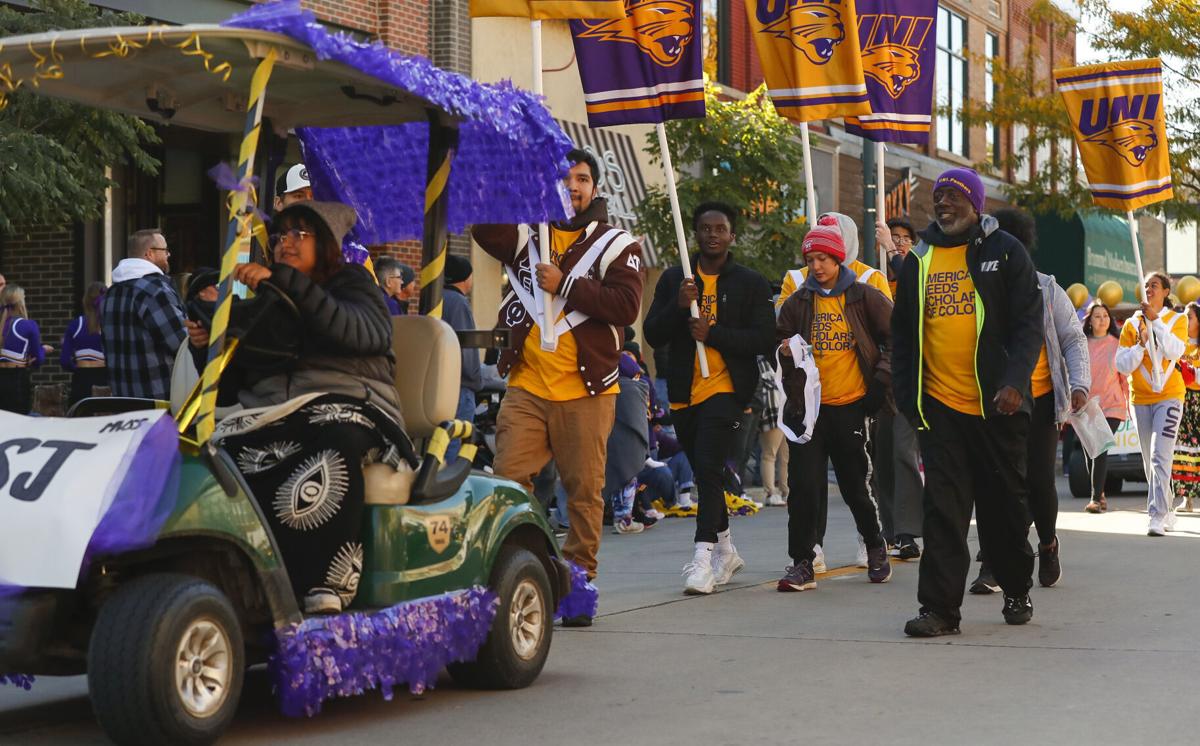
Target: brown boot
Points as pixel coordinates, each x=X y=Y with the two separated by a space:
x=1103 y=504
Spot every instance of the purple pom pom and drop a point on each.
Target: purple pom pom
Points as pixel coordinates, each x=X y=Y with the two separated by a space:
x=583 y=598
x=409 y=643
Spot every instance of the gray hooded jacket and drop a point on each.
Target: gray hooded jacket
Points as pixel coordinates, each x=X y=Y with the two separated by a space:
x=1066 y=346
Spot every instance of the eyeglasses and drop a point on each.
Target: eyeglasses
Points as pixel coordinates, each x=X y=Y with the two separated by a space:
x=897 y=239
x=295 y=235
x=163 y=249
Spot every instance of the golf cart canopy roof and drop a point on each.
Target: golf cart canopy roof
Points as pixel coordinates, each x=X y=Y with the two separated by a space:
x=198 y=76
x=361 y=110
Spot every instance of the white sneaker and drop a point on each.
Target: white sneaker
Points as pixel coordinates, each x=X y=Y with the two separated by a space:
x=861 y=559
x=1169 y=521
x=655 y=514
x=685 y=500
x=698 y=574
x=751 y=500
x=651 y=463
x=1156 y=528
x=627 y=526
x=819 y=560
x=725 y=564
x=775 y=500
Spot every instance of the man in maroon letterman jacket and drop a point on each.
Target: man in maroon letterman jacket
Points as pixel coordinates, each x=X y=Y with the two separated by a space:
x=561 y=404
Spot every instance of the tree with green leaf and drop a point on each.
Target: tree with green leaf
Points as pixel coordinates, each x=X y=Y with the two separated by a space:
x=742 y=153
x=1025 y=98
x=53 y=153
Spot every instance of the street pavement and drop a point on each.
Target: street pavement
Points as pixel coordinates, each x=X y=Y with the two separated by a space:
x=1111 y=657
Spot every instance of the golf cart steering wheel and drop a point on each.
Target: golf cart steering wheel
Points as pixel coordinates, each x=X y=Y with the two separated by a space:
x=284 y=348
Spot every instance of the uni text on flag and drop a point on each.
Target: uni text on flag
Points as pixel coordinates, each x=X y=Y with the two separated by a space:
x=898 y=39
x=544 y=9
x=1118 y=115
x=810 y=57
x=645 y=67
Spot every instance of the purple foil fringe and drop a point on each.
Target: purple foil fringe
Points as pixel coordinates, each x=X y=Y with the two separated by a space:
x=347 y=654
x=510 y=156
x=583 y=597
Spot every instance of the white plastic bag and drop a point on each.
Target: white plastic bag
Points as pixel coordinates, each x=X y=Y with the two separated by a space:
x=1092 y=429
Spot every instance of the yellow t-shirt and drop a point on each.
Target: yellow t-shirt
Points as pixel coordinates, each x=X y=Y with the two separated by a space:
x=1040 y=383
x=1140 y=382
x=875 y=279
x=834 y=350
x=950 y=334
x=718 y=381
x=553 y=376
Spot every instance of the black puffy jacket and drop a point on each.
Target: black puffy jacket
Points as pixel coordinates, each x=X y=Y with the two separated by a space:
x=343 y=340
x=744 y=330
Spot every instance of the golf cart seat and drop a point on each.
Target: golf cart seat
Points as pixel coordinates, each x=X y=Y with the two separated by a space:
x=428 y=377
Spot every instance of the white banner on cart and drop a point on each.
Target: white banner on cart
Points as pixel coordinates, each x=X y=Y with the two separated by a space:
x=58 y=476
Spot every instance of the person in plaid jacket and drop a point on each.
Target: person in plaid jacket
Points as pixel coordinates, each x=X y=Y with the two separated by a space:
x=142 y=320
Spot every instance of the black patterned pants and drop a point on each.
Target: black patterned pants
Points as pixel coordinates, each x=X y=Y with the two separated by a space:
x=306 y=471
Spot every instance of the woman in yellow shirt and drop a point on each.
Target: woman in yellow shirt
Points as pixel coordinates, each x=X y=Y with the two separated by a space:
x=1151 y=341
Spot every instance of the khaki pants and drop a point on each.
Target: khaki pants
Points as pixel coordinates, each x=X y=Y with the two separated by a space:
x=530 y=431
x=773 y=461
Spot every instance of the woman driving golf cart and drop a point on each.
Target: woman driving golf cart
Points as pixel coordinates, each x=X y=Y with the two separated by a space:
x=304 y=461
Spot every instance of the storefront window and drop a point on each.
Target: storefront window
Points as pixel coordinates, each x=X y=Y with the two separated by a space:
x=951 y=81
x=715 y=37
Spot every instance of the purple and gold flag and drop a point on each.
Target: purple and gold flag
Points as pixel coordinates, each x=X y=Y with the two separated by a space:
x=646 y=67
x=543 y=9
x=898 y=39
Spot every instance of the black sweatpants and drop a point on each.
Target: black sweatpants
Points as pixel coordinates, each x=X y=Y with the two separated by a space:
x=1098 y=467
x=1043 y=447
x=970 y=460
x=708 y=433
x=842 y=435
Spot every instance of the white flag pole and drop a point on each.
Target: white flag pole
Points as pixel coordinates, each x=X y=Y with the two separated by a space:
x=549 y=337
x=1139 y=293
x=680 y=236
x=810 y=192
x=880 y=214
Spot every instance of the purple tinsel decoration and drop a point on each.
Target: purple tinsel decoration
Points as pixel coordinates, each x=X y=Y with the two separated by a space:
x=347 y=654
x=583 y=597
x=507 y=167
x=25 y=681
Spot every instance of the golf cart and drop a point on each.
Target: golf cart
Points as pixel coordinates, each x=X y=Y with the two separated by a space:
x=459 y=568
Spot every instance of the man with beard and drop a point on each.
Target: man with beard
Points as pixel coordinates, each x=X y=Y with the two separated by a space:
x=736 y=325
x=966 y=332
x=561 y=403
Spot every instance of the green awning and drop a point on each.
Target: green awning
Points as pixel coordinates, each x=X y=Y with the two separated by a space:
x=1107 y=252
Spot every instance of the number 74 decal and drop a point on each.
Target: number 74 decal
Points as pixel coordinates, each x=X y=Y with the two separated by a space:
x=438 y=528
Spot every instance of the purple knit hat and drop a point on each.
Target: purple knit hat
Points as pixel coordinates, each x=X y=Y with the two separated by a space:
x=966 y=181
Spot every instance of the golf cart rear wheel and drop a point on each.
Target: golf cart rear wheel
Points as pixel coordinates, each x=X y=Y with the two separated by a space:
x=519 y=641
x=166 y=661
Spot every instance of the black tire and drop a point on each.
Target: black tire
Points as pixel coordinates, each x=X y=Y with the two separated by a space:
x=1077 y=474
x=500 y=665
x=132 y=660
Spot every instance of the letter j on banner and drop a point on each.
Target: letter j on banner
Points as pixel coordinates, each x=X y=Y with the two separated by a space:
x=1119 y=118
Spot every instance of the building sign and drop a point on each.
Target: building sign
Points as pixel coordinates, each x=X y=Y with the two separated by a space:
x=898 y=200
x=621 y=180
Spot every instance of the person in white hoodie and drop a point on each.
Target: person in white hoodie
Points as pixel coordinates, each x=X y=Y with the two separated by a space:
x=142 y=320
x=1151 y=341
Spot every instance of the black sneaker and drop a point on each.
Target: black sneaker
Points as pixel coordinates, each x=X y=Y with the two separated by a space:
x=986 y=582
x=582 y=620
x=930 y=624
x=908 y=549
x=1018 y=609
x=1049 y=568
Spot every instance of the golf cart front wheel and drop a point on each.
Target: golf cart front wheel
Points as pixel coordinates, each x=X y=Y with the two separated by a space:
x=166 y=662
x=519 y=641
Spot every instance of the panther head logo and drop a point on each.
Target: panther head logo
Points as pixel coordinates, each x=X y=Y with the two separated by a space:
x=812 y=27
x=1132 y=139
x=894 y=66
x=660 y=28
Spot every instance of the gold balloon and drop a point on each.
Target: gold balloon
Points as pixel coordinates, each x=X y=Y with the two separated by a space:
x=1188 y=289
x=1078 y=293
x=1110 y=293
